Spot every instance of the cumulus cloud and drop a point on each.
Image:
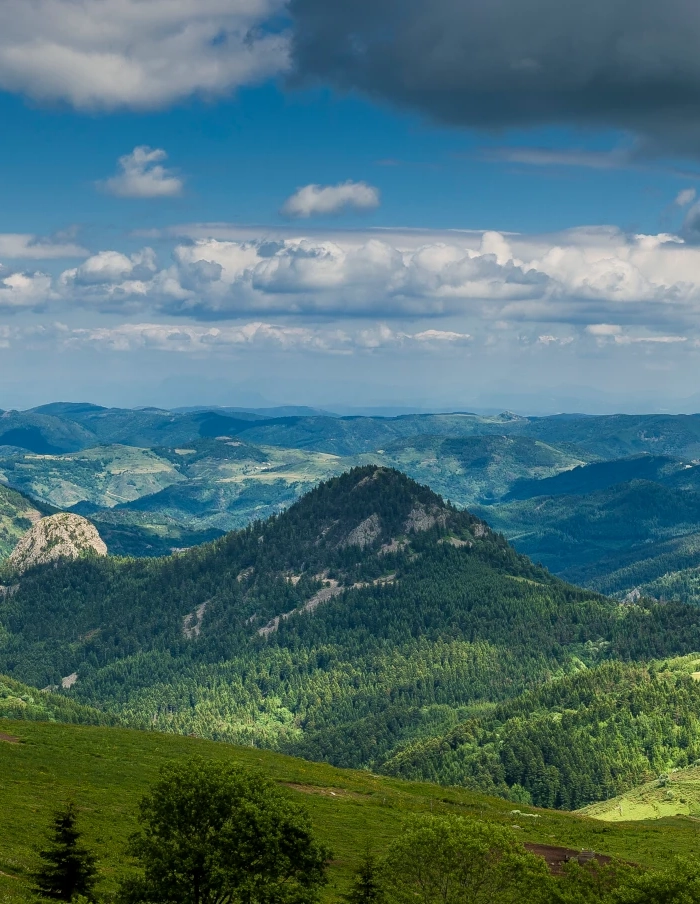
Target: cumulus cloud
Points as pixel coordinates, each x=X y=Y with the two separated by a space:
x=106 y=54
x=604 y=330
x=580 y=277
x=317 y=200
x=24 y=290
x=15 y=246
x=625 y=64
x=141 y=175
x=111 y=280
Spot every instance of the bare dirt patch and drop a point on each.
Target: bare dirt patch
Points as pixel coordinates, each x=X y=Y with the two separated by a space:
x=557 y=857
x=393 y=546
x=8 y=738
x=456 y=542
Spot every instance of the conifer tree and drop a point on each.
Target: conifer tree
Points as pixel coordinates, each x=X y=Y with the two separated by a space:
x=68 y=869
x=367 y=886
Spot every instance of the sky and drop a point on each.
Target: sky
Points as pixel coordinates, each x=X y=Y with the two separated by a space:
x=425 y=204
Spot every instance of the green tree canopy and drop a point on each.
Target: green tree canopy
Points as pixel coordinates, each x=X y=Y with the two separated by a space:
x=453 y=860
x=679 y=884
x=213 y=834
x=67 y=868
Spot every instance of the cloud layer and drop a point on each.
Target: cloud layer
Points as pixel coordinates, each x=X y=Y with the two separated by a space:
x=626 y=64
x=317 y=200
x=575 y=279
x=107 y=54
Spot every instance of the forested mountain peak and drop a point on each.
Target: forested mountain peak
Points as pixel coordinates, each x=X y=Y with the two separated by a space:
x=368 y=507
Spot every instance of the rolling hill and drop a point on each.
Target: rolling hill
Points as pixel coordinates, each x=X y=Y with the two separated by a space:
x=106 y=770
x=584 y=737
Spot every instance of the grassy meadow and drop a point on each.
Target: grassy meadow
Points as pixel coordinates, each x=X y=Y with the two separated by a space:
x=105 y=770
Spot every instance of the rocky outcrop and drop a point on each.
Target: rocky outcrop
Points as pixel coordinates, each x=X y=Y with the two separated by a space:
x=62 y=536
x=365 y=533
x=422 y=518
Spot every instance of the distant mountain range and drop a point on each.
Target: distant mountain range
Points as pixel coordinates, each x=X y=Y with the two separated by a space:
x=610 y=502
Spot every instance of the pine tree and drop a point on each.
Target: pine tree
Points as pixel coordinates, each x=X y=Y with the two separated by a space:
x=367 y=886
x=67 y=869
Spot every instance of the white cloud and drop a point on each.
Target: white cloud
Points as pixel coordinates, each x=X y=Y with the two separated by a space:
x=111 y=280
x=685 y=196
x=603 y=329
x=317 y=200
x=106 y=54
x=142 y=176
x=17 y=245
x=548 y=340
x=24 y=290
x=580 y=277
x=441 y=336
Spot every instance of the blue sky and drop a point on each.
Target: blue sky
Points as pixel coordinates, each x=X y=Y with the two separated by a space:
x=217 y=202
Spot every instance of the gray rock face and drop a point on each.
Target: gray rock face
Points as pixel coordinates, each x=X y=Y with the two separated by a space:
x=62 y=536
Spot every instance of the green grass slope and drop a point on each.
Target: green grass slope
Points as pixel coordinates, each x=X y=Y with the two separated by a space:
x=676 y=793
x=105 y=770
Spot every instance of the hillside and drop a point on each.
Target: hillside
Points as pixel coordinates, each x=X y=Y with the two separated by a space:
x=369 y=581
x=17 y=515
x=481 y=469
x=675 y=793
x=104 y=476
x=106 y=770
x=605 y=502
x=581 y=738
x=586 y=537
x=366 y=617
x=597 y=476
x=18 y=701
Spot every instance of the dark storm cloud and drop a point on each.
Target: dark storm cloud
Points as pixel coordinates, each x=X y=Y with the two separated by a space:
x=628 y=64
